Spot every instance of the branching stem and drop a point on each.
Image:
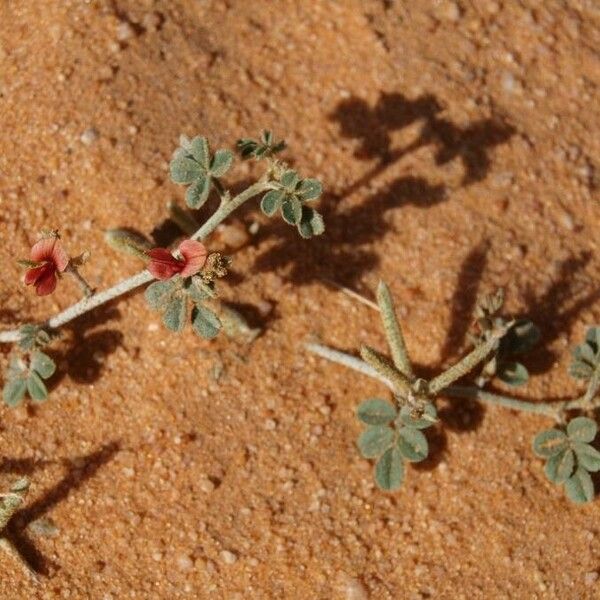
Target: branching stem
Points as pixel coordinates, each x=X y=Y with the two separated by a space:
x=131 y=283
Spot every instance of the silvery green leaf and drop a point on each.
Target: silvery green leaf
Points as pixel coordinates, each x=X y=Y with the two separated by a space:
x=200 y=150
x=374 y=441
x=14 y=391
x=291 y=210
x=579 y=487
x=271 y=202
x=376 y=412
x=580 y=370
x=309 y=189
x=185 y=170
x=311 y=223
x=36 y=387
x=32 y=336
x=592 y=337
x=513 y=373
x=428 y=418
x=412 y=444
x=560 y=466
x=587 y=456
x=199 y=291
x=175 y=313
x=582 y=429
x=549 y=443
x=206 y=324
x=289 y=180
x=389 y=470
x=197 y=194
x=158 y=293
x=220 y=163
x=42 y=364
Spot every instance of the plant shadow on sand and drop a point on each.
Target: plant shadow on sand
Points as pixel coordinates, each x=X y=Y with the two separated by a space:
x=339 y=254
x=79 y=470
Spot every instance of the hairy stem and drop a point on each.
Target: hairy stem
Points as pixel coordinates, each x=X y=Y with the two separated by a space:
x=469 y=362
x=554 y=410
x=393 y=331
x=381 y=364
x=86 y=288
x=131 y=283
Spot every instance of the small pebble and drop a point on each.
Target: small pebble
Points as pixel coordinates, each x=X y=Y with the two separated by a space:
x=229 y=558
x=206 y=485
x=89 y=136
x=185 y=563
x=124 y=31
x=591 y=577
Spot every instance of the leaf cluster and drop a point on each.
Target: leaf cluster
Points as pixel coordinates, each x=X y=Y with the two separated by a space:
x=173 y=298
x=27 y=376
x=194 y=164
x=392 y=437
x=521 y=337
x=290 y=197
x=570 y=457
x=265 y=147
x=586 y=356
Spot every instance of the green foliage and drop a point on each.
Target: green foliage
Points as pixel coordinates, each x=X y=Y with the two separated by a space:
x=570 y=457
x=392 y=437
x=193 y=164
x=265 y=147
x=27 y=376
x=586 y=356
x=172 y=298
x=33 y=336
x=289 y=197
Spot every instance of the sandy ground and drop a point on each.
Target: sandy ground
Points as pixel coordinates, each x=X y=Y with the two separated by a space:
x=458 y=145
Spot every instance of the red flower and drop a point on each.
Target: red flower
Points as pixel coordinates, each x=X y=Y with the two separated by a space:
x=51 y=259
x=163 y=265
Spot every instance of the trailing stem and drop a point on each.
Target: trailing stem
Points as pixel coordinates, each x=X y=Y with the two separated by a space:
x=131 y=283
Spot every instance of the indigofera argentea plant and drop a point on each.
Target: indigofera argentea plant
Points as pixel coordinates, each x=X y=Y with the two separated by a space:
x=394 y=428
x=182 y=279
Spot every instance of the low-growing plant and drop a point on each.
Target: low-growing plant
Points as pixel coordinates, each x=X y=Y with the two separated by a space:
x=393 y=433
x=182 y=280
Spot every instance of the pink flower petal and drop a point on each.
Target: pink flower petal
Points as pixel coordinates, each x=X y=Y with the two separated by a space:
x=43 y=249
x=46 y=284
x=59 y=256
x=194 y=254
x=163 y=265
x=34 y=274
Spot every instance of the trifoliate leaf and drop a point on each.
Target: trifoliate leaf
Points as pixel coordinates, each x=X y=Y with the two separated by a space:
x=374 y=441
x=291 y=210
x=197 y=194
x=309 y=189
x=36 y=387
x=200 y=150
x=550 y=442
x=376 y=412
x=220 y=163
x=428 y=418
x=513 y=373
x=271 y=202
x=582 y=429
x=579 y=487
x=14 y=391
x=586 y=356
x=198 y=290
x=412 y=444
x=311 y=223
x=389 y=470
x=289 y=180
x=205 y=322
x=560 y=466
x=158 y=293
x=42 y=364
x=587 y=456
x=32 y=336
x=185 y=170
x=174 y=315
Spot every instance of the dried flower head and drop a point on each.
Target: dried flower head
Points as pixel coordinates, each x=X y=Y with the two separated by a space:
x=48 y=259
x=163 y=265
